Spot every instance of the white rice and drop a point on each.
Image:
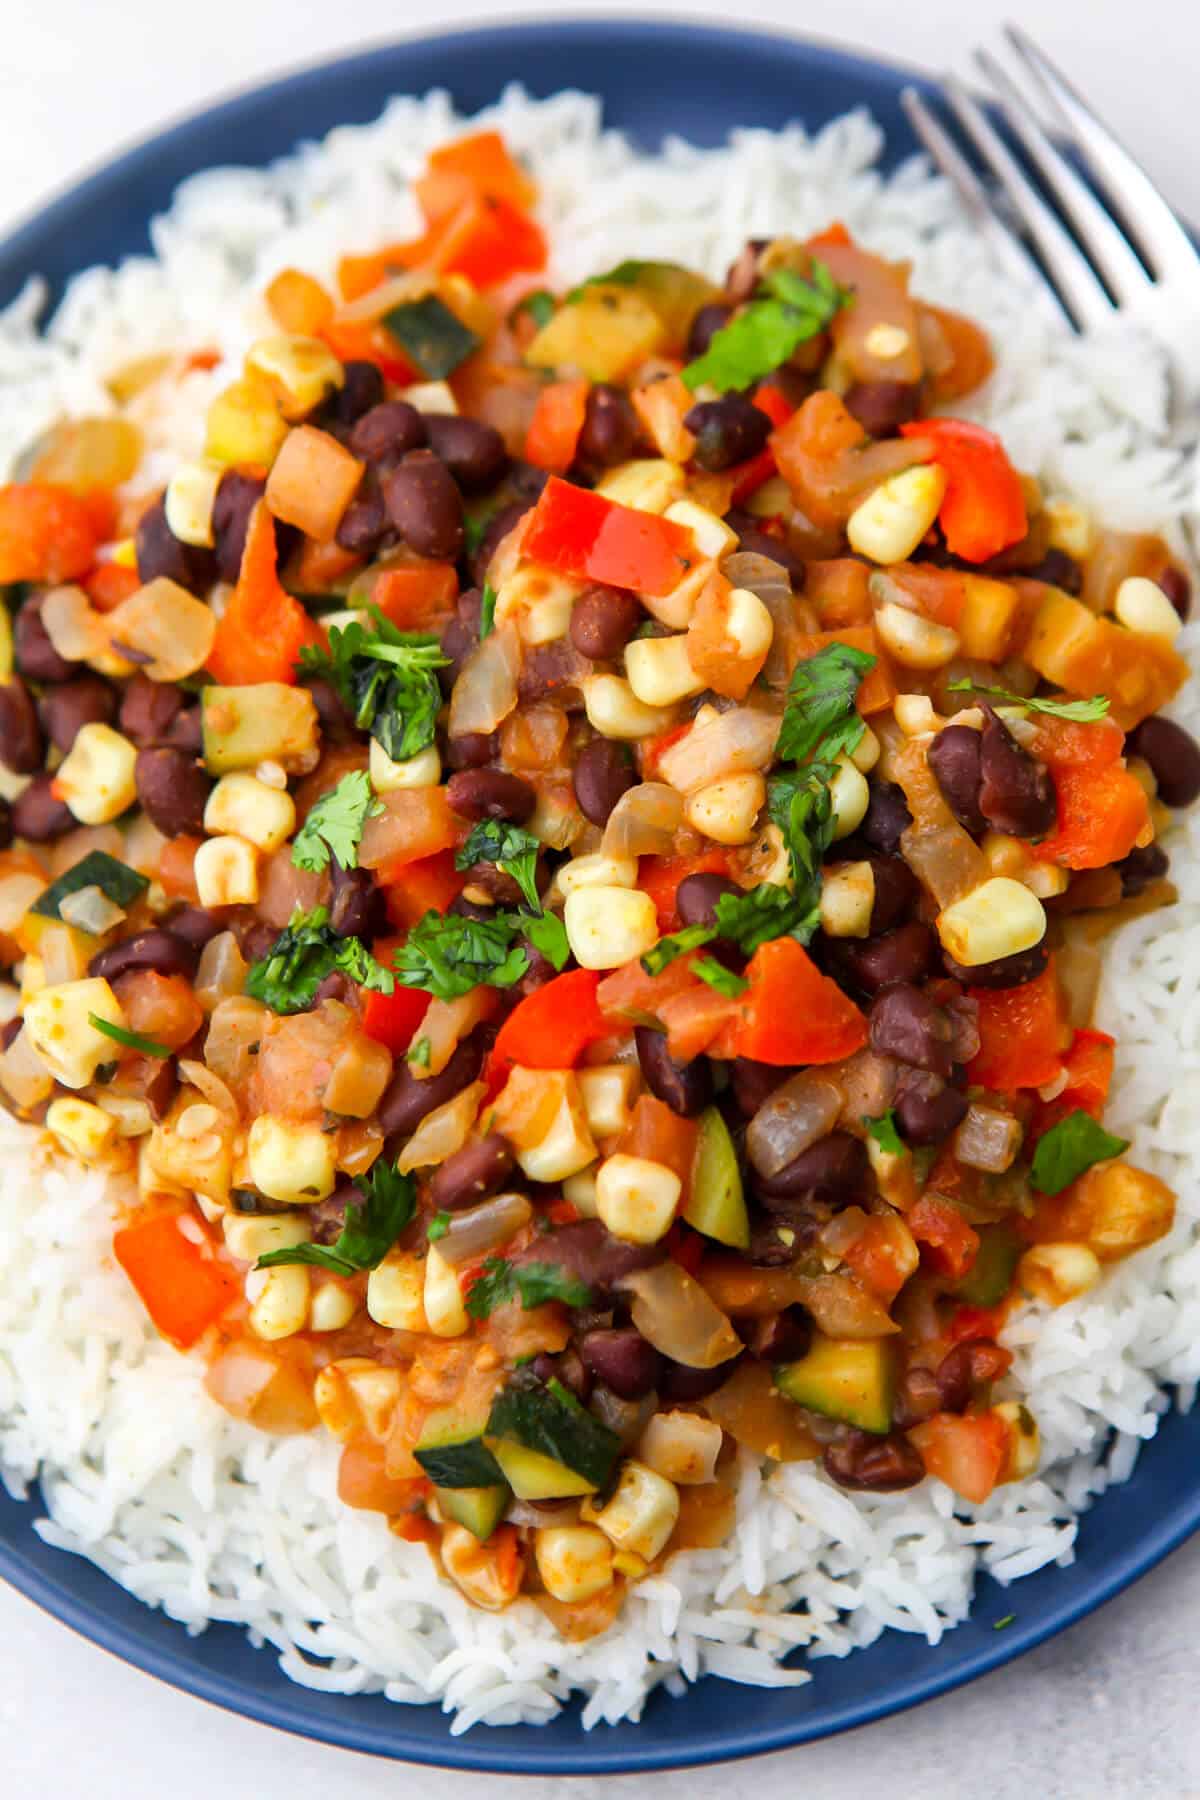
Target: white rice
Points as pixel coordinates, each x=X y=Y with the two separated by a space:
x=208 y=1519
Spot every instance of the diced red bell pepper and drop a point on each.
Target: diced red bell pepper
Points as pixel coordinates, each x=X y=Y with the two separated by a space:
x=974 y=1324
x=1089 y=1066
x=108 y=583
x=410 y=595
x=983 y=510
x=551 y=1028
x=580 y=533
x=660 y=876
x=392 y=1019
x=967 y=1451
x=263 y=629
x=427 y=884
x=486 y=239
x=179 y=1282
x=792 y=1013
x=1102 y=812
x=556 y=424
x=948 y=1243
x=479 y=164
x=1022 y=1034
x=47 y=532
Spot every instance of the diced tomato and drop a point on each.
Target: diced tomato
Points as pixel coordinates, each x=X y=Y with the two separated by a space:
x=686 y=1248
x=878 y=687
x=562 y=1212
x=1089 y=1066
x=179 y=1281
x=834 y=236
x=580 y=533
x=695 y=1018
x=551 y=1028
x=1022 y=1034
x=263 y=629
x=556 y=424
x=363 y=1482
x=966 y=360
x=298 y=303
x=983 y=511
x=424 y=884
x=1101 y=815
x=973 y=1323
x=654 y=748
x=630 y=995
x=176 y=868
x=792 y=1013
x=479 y=164
x=410 y=595
x=939 y=593
x=838 y=590
x=660 y=876
x=967 y=1451
x=366 y=340
x=881 y=1256
x=108 y=583
x=948 y=1243
x=660 y=1135
x=47 y=532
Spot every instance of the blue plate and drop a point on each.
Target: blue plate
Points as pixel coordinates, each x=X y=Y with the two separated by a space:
x=698 y=81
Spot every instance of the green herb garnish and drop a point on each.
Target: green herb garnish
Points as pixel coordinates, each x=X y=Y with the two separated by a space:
x=387 y=678
x=626 y=274
x=548 y=934
x=287 y=978
x=883 y=1130
x=1069 y=1148
x=437 y=1227
x=446 y=955
x=132 y=1040
x=487 y=611
x=820 y=717
x=786 y=312
x=535 y=1283
x=692 y=937
x=510 y=847
x=335 y=824
x=717 y=976
x=369 y=1230
x=1080 y=712
x=540 y=305
x=419 y=1053
x=1005 y=1622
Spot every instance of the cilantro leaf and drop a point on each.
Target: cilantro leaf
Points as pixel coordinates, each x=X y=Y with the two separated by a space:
x=287 y=978
x=883 y=1130
x=335 y=824
x=692 y=937
x=448 y=955
x=535 y=1283
x=132 y=1040
x=487 y=611
x=758 y=915
x=540 y=306
x=509 y=847
x=369 y=1230
x=717 y=976
x=419 y=1053
x=437 y=1227
x=1069 y=1148
x=786 y=313
x=800 y=803
x=548 y=934
x=820 y=714
x=1081 y=712
x=388 y=680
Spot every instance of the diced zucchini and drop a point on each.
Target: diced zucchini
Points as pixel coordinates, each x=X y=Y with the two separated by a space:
x=607 y=333
x=545 y=1418
x=430 y=335
x=716 y=1204
x=533 y=1476
x=452 y=1451
x=844 y=1378
x=480 y=1509
x=116 y=879
x=991 y=1274
x=266 y=721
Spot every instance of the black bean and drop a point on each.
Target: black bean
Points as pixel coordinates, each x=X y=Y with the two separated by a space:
x=753 y=1082
x=757 y=542
x=407 y=1100
x=886 y=817
x=897 y=891
x=1059 y=569
x=195 y=925
x=22 y=746
x=173 y=789
x=237 y=496
x=489 y=878
x=476 y=1170
x=162 y=951
x=1016 y=793
x=609 y=430
x=697 y=895
x=335 y=720
x=704 y=327
x=832 y=1169
x=328 y=1217
x=1174 y=758
x=473 y=451
x=462 y=908
x=389 y=430
x=458 y=639
x=918 y=1397
x=160 y=552
x=66 y=709
x=905 y=954
x=603 y=620
x=364 y=523
x=472 y=749
x=161 y=1086
x=955 y=756
x=490 y=794
x=680 y=1382
x=953 y=1379
x=1005 y=972
x=1140 y=870
x=425 y=506
x=685 y=1087
x=1177 y=586
x=355 y=903
x=34 y=654
x=38 y=816
x=781 y=1337
x=148 y=709
x=362 y=388
x=927 y=1109
x=882 y=407
x=874 y=1465
x=187 y=730
x=569 y=1368
x=254 y=937
x=621 y=1358
x=540 y=971
x=6 y=824
x=727 y=431
x=591 y=1253
x=526 y=480
x=551 y=669
x=495 y=532
x=906 y=1023
x=603 y=772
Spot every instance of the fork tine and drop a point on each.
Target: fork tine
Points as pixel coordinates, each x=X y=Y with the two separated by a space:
x=1104 y=242
x=1069 y=269
x=947 y=156
x=1148 y=218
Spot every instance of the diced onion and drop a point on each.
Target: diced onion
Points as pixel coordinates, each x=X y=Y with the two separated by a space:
x=446 y=1023
x=842 y=1309
x=235 y=1029
x=752 y=1410
x=772 y=583
x=674 y=1313
x=76 y=845
x=442 y=1131
x=843 y=1230
x=17 y=894
x=474 y=1233
x=23 y=1074
x=486 y=689
x=206 y=1082
x=868 y=1083
x=942 y=856
x=644 y=821
x=59 y=951
x=171 y=631
x=804 y=1109
x=221 y=970
x=256 y=1382
x=741 y=739
x=412 y=285
x=987 y=1139
x=73 y=627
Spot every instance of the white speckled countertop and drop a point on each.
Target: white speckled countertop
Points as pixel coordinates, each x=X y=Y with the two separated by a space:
x=1108 y=1710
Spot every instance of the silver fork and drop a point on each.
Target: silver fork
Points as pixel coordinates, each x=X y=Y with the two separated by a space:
x=1135 y=260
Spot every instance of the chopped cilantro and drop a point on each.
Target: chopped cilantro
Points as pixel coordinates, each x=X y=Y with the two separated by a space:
x=287 y=978
x=1005 y=1622
x=1081 y=712
x=487 y=611
x=535 y=1283
x=132 y=1040
x=719 y=977
x=369 y=1230
x=509 y=847
x=335 y=824
x=626 y=274
x=419 y=1052
x=820 y=717
x=692 y=937
x=447 y=955
x=786 y=312
x=883 y=1130
x=387 y=678
x=1069 y=1148
x=548 y=934
x=540 y=305
x=437 y=1227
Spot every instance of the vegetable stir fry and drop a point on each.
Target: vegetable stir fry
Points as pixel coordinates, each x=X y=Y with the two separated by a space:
x=568 y=855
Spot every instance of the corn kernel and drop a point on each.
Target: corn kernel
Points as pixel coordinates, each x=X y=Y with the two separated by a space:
x=226 y=872
x=1070 y=528
x=608 y=1090
x=431 y=397
x=642 y=1513
x=488 y=1579
x=597 y=870
x=749 y=624
x=916 y=642
x=58 y=1028
x=1142 y=606
x=866 y=752
x=847 y=900
x=300 y=371
x=915 y=715
x=280 y=1308
x=659 y=671
x=636 y=1198
x=608 y=926
x=889 y=524
x=1024 y=1443
x=726 y=810
x=651 y=485
x=247 y=1236
x=998 y=918
x=574 y=1561
x=248 y=808
x=395 y=1292
x=614 y=710
x=580 y=1190
x=82 y=1129
x=681 y=1447
x=676 y=608
x=332 y=1307
x=445 y=1312
x=188 y=502
x=424 y=770
x=291 y=1162
x=539 y=603
x=244 y=425
x=712 y=536
x=887 y=342
x=1057 y=1273
x=96 y=777
x=565 y=1145
x=849 y=797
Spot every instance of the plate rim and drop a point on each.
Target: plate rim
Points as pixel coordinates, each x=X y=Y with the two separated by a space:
x=483 y=1751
